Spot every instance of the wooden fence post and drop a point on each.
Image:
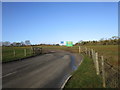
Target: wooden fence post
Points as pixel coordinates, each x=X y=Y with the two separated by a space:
x=89 y=52
x=79 y=49
x=103 y=71
x=94 y=58
x=31 y=50
x=97 y=64
x=92 y=54
x=41 y=50
x=24 y=52
x=14 y=53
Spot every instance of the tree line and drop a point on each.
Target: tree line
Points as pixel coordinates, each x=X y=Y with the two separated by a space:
x=115 y=40
x=25 y=43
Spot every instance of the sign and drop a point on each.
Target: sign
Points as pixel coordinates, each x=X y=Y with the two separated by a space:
x=62 y=42
x=69 y=43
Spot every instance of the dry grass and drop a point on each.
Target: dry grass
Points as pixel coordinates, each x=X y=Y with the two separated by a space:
x=110 y=52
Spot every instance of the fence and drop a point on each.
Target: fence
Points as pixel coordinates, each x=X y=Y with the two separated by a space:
x=37 y=50
x=110 y=75
x=13 y=53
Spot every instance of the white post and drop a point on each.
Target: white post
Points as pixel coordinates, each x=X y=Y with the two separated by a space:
x=14 y=53
x=103 y=71
x=97 y=64
x=92 y=54
x=24 y=52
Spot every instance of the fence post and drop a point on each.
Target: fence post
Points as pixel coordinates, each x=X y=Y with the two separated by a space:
x=24 y=52
x=14 y=53
x=92 y=54
x=89 y=52
x=31 y=50
x=97 y=64
x=103 y=71
x=41 y=50
x=79 y=49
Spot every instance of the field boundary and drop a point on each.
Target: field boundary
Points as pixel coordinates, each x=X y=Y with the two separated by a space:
x=14 y=60
x=33 y=51
x=110 y=75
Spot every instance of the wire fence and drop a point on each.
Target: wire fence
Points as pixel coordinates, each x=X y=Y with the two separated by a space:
x=15 y=53
x=110 y=75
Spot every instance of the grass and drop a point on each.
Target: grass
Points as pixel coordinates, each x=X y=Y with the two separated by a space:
x=110 y=52
x=85 y=76
x=8 y=53
x=73 y=49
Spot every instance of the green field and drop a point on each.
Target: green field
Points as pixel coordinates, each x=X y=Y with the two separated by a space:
x=85 y=76
x=110 y=52
x=73 y=49
x=8 y=52
x=13 y=53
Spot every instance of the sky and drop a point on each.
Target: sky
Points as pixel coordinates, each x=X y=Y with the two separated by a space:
x=53 y=22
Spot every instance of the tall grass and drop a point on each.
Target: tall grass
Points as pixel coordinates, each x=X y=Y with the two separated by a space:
x=85 y=76
x=110 y=52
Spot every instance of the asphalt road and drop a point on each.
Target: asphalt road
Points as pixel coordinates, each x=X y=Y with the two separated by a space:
x=44 y=71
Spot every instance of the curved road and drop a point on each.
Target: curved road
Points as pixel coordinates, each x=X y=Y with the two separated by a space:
x=44 y=71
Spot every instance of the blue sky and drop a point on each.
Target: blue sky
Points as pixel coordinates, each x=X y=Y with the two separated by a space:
x=42 y=22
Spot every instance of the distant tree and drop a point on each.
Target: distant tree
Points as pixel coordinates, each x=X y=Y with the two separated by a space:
x=13 y=44
x=18 y=44
x=22 y=43
x=115 y=40
x=6 y=43
x=27 y=42
x=57 y=45
x=115 y=37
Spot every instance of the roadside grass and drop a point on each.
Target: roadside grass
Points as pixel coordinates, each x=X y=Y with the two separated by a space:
x=85 y=76
x=110 y=52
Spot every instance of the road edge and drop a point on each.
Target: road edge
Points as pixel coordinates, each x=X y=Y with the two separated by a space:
x=71 y=75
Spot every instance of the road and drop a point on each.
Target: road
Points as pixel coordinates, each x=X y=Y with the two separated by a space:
x=44 y=71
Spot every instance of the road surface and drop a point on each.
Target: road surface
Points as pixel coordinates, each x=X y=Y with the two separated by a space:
x=44 y=71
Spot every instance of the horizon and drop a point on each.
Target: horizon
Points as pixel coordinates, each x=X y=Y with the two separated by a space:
x=51 y=23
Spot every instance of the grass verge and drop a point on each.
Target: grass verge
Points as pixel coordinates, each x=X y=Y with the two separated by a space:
x=85 y=76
